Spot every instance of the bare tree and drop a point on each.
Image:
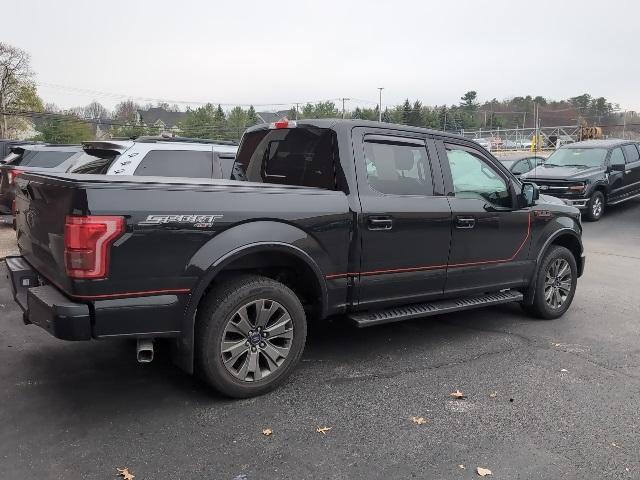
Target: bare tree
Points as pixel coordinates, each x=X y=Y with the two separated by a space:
x=15 y=72
x=126 y=111
x=95 y=111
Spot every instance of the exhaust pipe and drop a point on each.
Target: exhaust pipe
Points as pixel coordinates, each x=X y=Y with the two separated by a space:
x=144 y=350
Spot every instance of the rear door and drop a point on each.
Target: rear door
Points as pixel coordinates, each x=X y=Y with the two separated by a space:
x=491 y=234
x=405 y=222
x=632 y=169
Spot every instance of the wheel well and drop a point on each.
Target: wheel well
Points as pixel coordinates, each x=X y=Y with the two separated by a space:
x=287 y=269
x=603 y=190
x=571 y=243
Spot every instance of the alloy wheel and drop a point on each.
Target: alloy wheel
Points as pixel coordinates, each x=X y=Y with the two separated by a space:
x=596 y=208
x=558 y=282
x=256 y=340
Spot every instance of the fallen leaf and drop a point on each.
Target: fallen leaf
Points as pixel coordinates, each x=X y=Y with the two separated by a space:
x=323 y=430
x=556 y=344
x=419 y=420
x=461 y=467
x=125 y=473
x=564 y=370
x=615 y=445
x=458 y=395
x=267 y=431
x=483 y=472
x=493 y=395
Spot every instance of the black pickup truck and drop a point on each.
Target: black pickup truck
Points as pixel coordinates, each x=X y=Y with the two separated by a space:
x=361 y=221
x=591 y=174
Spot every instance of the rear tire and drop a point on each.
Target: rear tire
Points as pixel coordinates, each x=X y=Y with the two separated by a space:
x=595 y=206
x=555 y=284
x=250 y=334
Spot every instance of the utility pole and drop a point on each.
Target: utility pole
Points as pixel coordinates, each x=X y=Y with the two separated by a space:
x=624 y=124
x=343 y=100
x=297 y=111
x=380 y=105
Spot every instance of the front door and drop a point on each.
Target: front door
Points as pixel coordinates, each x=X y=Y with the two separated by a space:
x=490 y=234
x=405 y=224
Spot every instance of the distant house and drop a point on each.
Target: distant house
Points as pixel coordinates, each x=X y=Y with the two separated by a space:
x=270 y=117
x=163 y=120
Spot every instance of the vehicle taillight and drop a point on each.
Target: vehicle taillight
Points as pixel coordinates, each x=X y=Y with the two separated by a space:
x=87 y=241
x=12 y=174
x=283 y=124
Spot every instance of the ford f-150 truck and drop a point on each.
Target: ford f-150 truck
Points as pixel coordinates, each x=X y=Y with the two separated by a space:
x=360 y=221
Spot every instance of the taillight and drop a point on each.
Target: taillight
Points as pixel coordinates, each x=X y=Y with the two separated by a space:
x=87 y=241
x=283 y=124
x=12 y=174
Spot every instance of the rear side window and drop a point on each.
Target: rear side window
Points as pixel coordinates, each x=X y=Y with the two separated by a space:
x=398 y=169
x=96 y=162
x=631 y=153
x=176 y=163
x=42 y=158
x=296 y=156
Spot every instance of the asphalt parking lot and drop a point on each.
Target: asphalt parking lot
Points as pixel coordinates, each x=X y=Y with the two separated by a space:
x=547 y=400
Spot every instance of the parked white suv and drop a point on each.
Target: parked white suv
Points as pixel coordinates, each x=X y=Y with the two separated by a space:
x=159 y=156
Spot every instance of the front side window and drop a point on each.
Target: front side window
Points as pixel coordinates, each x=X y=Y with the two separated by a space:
x=398 y=169
x=631 y=153
x=176 y=163
x=474 y=178
x=617 y=158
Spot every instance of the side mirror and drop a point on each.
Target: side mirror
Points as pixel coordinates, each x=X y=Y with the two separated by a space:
x=530 y=193
x=618 y=167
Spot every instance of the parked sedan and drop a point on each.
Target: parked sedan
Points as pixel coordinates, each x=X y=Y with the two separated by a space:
x=518 y=166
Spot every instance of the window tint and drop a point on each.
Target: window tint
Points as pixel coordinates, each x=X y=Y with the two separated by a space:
x=398 y=169
x=617 y=158
x=521 y=166
x=297 y=156
x=474 y=178
x=176 y=163
x=42 y=158
x=226 y=166
x=631 y=153
x=98 y=162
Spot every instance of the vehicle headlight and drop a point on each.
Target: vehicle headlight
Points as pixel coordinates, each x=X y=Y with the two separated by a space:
x=577 y=188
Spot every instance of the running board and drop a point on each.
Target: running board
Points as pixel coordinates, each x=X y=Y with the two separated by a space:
x=367 y=319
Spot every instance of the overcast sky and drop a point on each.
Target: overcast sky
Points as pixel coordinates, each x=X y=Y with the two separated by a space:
x=282 y=51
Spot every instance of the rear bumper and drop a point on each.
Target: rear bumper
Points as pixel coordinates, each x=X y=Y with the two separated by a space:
x=45 y=306
x=49 y=308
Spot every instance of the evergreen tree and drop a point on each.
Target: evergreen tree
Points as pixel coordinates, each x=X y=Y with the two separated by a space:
x=252 y=117
x=220 y=131
x=415 y=116
x=406 y=112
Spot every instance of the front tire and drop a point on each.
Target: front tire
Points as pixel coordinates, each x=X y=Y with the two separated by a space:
x=555 y=285
x=595 y=206
x=250 y=334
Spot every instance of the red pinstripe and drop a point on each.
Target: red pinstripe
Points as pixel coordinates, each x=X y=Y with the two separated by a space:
x=434 y=267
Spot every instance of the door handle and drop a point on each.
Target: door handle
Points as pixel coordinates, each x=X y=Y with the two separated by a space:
x=465 y=222
x=380 y=223
x=627 y=172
